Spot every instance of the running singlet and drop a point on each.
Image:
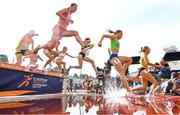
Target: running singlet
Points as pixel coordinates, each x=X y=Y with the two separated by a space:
x=68 y=16
x=142 y=63
x=90 y=46
x=114 y=44
x=23 y=46
x=61 y=56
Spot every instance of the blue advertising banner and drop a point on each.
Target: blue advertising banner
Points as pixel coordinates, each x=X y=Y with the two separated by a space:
x=15 y=82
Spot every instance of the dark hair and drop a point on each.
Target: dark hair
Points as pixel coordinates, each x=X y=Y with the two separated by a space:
x=116 y=32
x=73 y=4
x=143 y=49
x=175 y=74
x=87 y=39
x=64 y=47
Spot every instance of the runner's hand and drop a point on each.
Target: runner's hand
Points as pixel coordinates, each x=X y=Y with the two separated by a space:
x=99 y=44
x=71 y=21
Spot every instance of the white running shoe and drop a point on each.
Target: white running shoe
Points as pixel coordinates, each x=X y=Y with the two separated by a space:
x=130 y=94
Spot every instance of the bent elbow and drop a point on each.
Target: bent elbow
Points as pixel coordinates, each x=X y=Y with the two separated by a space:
x=58 y=13
x=150 y=64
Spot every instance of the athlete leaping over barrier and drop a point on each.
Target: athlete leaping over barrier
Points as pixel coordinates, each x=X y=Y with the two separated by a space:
x=83 y=56
x=60 y=29
x=121 y=63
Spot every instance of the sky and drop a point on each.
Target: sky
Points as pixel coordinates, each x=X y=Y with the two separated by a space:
x=155 y=23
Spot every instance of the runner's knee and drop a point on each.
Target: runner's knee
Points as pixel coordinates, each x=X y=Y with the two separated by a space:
x=130 y=60
x=18 y=63
x=116 y=62
x=92 y=61
x=155 y=83
x=80 y=67
x=75 y=33
x=144 y=87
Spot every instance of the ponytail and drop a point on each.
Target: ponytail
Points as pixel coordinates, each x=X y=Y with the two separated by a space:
x=143 y=49
x=64 y=47
x=112 y=32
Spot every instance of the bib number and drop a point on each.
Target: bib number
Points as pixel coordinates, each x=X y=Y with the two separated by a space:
x=116 y=61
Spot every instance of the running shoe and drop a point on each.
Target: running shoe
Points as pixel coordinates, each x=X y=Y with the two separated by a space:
x=131 y=94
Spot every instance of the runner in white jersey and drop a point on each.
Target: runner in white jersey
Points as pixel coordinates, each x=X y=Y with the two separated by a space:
x=59 y=59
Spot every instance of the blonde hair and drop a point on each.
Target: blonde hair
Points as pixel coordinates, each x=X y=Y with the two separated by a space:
x=143 y=49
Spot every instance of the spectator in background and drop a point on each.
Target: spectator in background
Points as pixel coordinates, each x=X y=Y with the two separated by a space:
x=88 y=83
x=4 y=58
x=175 y=75
x=176 y=87
x=164 y=72
x=154 y=71
x=174 y=84
x=71 y=85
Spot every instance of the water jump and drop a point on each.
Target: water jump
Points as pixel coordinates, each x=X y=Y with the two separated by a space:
x=120 y=63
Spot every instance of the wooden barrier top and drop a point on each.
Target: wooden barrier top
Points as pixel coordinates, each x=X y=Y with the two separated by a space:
x=35 y=71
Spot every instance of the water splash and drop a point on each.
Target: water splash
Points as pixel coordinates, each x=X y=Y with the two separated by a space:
x=160 y=103
x=115 y=95
x=161 y=89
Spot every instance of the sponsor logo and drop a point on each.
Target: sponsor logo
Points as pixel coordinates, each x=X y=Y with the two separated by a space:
x=39 y=82
x=26 y=82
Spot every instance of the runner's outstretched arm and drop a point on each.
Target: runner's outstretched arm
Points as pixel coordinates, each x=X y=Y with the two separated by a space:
x=70 y=55
x=105 y=36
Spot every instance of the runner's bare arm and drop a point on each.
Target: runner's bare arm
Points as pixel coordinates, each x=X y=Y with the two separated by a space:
x=105 y=36
x=32 y=42
x=85 y=49
x=20 y=42
x=40 y=58
x=70 y=55
x=56 y=47
x=109 y=51
x=146 y=60
x=60 y=13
